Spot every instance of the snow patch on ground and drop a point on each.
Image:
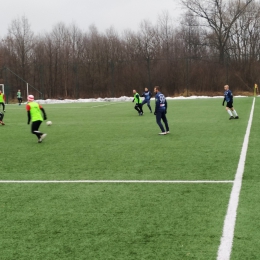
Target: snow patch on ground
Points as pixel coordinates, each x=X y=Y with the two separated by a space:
x=120 y=99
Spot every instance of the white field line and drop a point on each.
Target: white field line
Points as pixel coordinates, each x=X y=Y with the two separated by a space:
x=112 y=181
x=226 y=243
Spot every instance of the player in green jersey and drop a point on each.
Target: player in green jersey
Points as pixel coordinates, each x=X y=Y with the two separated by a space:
x=34 y=112
x=138 y=103
x=2 y=100
x=19 y=97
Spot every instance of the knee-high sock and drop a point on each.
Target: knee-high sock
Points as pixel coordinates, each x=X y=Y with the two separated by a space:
x=230 y=113
x=235 y=112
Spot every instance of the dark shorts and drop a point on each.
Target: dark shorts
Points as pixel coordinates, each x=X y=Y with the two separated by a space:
x=230 y=104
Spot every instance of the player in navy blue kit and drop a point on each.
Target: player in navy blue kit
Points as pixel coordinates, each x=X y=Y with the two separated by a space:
x=228 y=97
x=161 y=111
x=147 y=98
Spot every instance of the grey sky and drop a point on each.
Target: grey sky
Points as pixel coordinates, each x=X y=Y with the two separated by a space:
x=122 y=14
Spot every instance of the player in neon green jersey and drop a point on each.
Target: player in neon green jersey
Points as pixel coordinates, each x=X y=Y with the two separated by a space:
x=19 y=97
x=34 y=112
x=138 y=103
x=2 y=100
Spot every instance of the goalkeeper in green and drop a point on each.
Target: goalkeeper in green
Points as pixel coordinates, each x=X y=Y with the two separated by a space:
x=19 y=97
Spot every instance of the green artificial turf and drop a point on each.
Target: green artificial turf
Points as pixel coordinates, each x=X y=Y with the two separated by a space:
x=111 y=221
x=247 y=235
x=108 y=141
x=88 y=141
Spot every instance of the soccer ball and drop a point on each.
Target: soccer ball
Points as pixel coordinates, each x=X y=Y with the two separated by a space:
x=48 y=123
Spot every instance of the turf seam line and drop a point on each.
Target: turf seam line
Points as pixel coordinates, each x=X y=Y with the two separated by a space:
x=107 y=104
x=116 y=181
x=226 y=242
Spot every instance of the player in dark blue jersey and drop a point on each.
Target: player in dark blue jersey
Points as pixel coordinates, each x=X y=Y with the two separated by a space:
x=147 y=98
x=161 y=111
x=228 y=97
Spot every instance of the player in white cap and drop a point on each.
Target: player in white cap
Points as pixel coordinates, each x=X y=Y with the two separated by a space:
x=34 y=112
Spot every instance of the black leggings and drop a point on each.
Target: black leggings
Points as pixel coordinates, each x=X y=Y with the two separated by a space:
x=35 y=128
x=139 y=108
x=3 y=104
x=1 y=116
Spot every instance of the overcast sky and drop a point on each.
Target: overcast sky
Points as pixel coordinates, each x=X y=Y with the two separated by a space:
x=121 y=14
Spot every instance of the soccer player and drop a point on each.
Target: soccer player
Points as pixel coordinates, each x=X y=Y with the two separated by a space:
x=138 y=103
x=2 y=100
x=147 y=97
x=34 y=112
x=228 y=97
x=1 y=118
x=19 y=97
x=255 y=90
x=161 y=111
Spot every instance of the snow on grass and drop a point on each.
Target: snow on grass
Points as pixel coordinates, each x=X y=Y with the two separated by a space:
x=120 y=99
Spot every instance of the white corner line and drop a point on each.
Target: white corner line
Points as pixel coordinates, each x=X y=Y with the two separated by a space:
x=226 y=242
x=114 y=181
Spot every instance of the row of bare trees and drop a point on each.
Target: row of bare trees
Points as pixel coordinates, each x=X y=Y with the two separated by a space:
x=216 y=42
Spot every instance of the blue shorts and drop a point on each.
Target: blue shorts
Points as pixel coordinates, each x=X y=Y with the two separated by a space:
x=146 y=101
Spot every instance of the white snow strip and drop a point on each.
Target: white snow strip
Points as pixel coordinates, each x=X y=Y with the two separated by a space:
x=120 y=99
x=226 y=243
x=111 y=181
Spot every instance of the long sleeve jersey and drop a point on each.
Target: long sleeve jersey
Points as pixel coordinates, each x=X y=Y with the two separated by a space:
x=147 y=95
x=228 y=96
x=160 y=102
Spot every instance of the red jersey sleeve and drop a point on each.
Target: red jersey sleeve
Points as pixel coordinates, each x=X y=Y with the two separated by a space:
x=4 y=97
x=28 y=108
x=40 y=106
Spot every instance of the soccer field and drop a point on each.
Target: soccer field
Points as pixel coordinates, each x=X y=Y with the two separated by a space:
x=104 y=185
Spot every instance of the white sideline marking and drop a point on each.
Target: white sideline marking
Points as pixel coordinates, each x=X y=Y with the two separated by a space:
x=108 y=181
x=225 y=247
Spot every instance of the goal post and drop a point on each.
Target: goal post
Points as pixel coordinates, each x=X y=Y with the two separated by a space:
x=29 y=87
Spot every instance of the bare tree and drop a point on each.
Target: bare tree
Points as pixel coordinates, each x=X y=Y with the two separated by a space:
x=220 y=16
x=22 y=38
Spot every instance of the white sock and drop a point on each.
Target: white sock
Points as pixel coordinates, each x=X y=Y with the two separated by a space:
x=235 y=112
x=230 y=113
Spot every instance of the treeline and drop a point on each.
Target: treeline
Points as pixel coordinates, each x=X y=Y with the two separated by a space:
x=215 y=43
